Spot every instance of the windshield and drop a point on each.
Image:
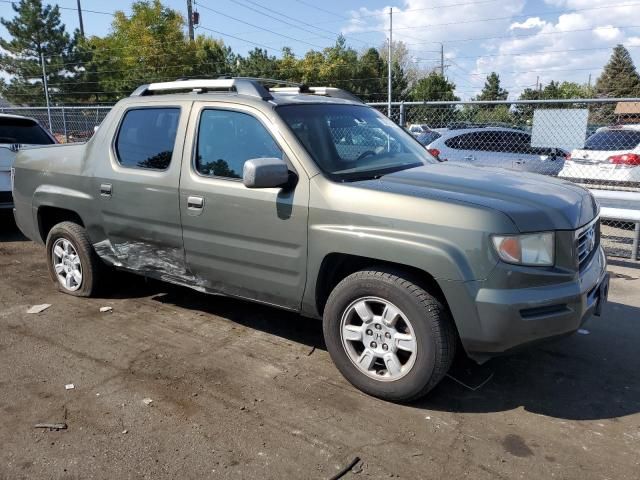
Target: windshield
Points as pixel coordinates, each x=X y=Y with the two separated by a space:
x=22 y=131
x=353 y=142
x=613 y=140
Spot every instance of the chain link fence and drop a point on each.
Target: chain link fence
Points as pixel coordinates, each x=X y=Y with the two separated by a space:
x=593 y=142
x=68 y=124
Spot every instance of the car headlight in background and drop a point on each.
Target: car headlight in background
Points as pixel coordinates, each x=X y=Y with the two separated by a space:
x=528 y=249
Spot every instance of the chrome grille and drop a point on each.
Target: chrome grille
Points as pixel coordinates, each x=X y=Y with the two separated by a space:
x=587 y=240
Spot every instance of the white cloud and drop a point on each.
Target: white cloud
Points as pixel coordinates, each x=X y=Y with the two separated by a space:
x=573 y=42
x=531 y=22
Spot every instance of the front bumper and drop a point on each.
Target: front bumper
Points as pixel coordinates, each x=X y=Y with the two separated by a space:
x=506 y=319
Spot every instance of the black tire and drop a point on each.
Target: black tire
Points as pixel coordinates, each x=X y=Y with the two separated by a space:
x=433 y=327
x=93 y=269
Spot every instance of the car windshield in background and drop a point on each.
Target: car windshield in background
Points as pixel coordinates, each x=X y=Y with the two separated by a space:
x=428 y=137
x=352 y=142
x=613 y=140
x=22 y=131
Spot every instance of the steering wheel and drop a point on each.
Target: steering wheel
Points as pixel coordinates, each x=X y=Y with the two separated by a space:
x=365 y=154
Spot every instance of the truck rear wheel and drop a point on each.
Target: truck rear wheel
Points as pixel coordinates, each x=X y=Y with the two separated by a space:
x=73 y=264
x=388 y=336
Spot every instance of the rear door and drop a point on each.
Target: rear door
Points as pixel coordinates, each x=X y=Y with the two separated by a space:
x=136 y=181
x=243 y=242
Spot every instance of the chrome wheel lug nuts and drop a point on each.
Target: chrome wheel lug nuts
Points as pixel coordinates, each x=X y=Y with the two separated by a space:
x=385 y=346
x=369 y=332
x=378 y=327
x=387 y=335
x=374 y=345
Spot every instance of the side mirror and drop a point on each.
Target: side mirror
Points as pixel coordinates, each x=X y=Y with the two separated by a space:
x=265 y=173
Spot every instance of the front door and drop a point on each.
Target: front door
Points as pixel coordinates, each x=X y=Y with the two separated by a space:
x=243 y=242
x=136 y=181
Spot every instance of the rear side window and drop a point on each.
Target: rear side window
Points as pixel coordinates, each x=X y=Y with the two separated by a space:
x=23 y=131
x=227 y=139
x=146 y=138
x=613 y=140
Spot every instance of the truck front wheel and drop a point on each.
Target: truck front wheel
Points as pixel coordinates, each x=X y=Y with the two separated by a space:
x=72 y=262
x=388 y=336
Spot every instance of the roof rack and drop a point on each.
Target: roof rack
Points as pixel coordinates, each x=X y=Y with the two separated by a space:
x=254 y=87
x=243 y=86
x=323 y=91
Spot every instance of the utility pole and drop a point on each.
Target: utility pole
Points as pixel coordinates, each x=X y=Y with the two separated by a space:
x=46 y=88
x=190 y=17
x=442 y=59
x=589 y=82
x=389 y=61
x=80 y=18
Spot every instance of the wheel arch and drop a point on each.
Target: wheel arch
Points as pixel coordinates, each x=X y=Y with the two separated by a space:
x=49 y=216
x=337 y=266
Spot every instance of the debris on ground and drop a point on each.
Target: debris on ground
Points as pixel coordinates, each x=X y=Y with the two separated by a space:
x=346 y=469
x=583 y=331
x=69 y=386
x=125 y=431
x=51 y=426
x=311 y=351
x=147 y=401
x=106 y=309
x=38 y=308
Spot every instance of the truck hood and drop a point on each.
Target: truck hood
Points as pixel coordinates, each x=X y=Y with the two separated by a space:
x=534 y=202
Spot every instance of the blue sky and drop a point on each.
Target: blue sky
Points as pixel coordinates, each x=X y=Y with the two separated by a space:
x=523 y=40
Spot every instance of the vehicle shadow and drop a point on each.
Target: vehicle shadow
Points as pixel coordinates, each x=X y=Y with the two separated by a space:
x=9 y=231
x=582 y=377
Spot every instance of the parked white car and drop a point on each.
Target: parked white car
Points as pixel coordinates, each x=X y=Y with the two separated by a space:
x=497 y=147
x=15 y=132
x=610 y=156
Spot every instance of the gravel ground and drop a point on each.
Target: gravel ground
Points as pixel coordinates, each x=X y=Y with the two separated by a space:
x=244 y=391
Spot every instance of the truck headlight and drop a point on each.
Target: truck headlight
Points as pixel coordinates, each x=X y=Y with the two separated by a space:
x=527 y=249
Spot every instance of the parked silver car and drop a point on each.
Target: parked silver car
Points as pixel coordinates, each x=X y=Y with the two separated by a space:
x=15 y=132
x=497 y=147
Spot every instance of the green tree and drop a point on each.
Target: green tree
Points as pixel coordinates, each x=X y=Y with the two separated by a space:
x=619 y=77
x=492 y=89
x=433 y=87
x=36 y=30
x=371 y=82
x=258 y=63
x=149 y=45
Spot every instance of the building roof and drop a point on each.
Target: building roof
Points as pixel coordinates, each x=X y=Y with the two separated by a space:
x=627 y=108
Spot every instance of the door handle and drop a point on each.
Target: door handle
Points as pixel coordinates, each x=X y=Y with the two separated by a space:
x=106 y=189
x=195 y=203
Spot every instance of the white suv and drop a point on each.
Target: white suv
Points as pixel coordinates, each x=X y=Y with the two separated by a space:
x=610 y=156
x=16 y=131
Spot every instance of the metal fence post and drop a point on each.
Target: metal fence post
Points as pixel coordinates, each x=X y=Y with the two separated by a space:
x=64 y=125
x=402 y=114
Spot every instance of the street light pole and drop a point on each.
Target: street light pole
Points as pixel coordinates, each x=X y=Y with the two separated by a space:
x=46 y=89
x=389 y=62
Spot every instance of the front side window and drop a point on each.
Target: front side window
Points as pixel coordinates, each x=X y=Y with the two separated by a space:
x=227 y=139
x=146 y=138
x=353 y=142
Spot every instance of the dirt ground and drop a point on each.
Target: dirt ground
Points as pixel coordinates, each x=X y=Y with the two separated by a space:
x=244 y=391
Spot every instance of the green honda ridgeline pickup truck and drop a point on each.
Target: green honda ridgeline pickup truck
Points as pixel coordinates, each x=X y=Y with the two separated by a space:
x=308 y=200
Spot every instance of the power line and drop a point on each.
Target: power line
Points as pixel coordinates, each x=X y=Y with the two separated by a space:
x=560 y=32
x=98 y=12
x=335 y=34
x=511 y=17
x=258 y=27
